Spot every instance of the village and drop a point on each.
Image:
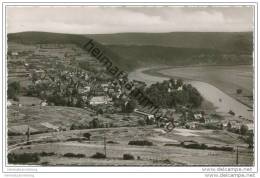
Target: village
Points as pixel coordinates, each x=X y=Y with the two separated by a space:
x=47 y=76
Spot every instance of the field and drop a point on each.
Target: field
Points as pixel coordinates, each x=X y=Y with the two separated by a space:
x=117 y=145
x=166 y=149
x=46 y=118
x=226 y=78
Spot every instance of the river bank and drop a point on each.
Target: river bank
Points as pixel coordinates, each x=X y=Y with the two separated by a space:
x=226 y=78
x=219 y=98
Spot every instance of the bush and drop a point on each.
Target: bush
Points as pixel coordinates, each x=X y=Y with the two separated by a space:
x=69 y=155
x=78 y=139
x=243 y=129
x=171 y=144
x=87 y=135
x=250 y=140
x=79 y=126
x=167 y=161
x=22 y=158
x=149 y=121
x=47 y=153
x=193 y=145
x=222 y=148
x=187 y=126
x=80 y=155
x=214 y=126
x=95 y=123
x=128 y=157
x=196 y=145
x=112 y=142
x=98 y=155
x=72 y=155
x=141 y=122
x=11 y=133
x=141 y=143
x=231 y=112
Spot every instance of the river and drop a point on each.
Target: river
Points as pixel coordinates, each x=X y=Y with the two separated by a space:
x=223 y=102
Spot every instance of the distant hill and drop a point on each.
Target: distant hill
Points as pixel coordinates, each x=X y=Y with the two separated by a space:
x=180 y=48
x=59 y=38
x=143 y=56
x=132 y=50
x=236 y=42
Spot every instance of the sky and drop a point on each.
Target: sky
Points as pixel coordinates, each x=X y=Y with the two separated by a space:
x=102 y=20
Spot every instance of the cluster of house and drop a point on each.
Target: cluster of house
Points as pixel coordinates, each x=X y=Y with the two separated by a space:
x=88 y=87
x=92 y=91
x=199 y=120
x=104 y=92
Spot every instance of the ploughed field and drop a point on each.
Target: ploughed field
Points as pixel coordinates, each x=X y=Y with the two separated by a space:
x=226 y=78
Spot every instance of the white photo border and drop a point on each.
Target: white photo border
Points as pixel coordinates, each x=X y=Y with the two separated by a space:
x=122 y=169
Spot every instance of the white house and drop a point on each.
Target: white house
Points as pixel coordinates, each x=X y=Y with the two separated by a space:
x=37 y=81
x=86 y=76
x=250 y=126
x=87 y=89
x=14 y=53
x=180 y=88
x=104 y=85
x=198 y=116
x=98 y=100
x=9 y=103
x=44 y=103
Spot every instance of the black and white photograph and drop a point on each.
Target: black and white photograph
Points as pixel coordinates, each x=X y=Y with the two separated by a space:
x=130 y=85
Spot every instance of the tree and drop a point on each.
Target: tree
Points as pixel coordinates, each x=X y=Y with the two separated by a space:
x=100 y=111
x=129 y=106
x=13 y=90
x=34 y=77
x=179 y=82
x=87 y=135
x=250 y=140
x=95 y=123
x=239 y=91
x=80 y=102
x=73 y=127
x=243 y=129
x=149 y=121
x=229 y=126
